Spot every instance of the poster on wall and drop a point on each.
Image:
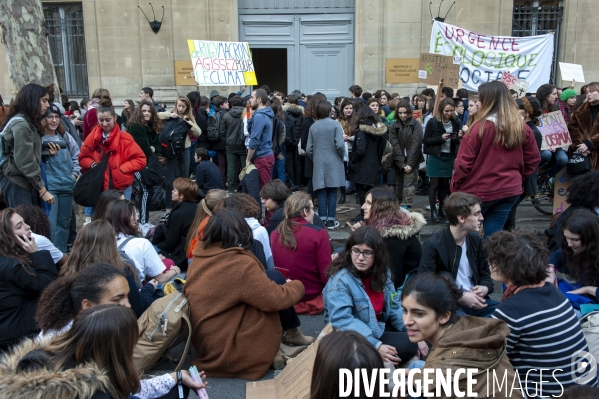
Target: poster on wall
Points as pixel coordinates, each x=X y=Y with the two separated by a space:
x=222 y=63
x=401 y=70
x=486 y=57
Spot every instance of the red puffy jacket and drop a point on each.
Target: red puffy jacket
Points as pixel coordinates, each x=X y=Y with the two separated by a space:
x=126 y=157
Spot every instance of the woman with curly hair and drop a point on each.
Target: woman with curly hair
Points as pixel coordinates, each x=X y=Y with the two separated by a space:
x=25 y=271
x=584 y=126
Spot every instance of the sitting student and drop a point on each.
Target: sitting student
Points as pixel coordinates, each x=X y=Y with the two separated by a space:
x=247 y=208
x=37 y=220
x=341 y=349
x=95 y=243
x=579 y=256
x=104 y=199
x=205 y=209
x=169 y=238
x=544 y=327
x=25 y=271
x=87 y=362
x=459 y=251
x=122 y=216
x=303 y=248
x=207 y=175
x=66 y=297
x=361 y=297
x=430 y=304
x=238 y=335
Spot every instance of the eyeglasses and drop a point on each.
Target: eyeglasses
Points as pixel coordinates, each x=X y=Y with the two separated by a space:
x=367 y=254
x=53 y=117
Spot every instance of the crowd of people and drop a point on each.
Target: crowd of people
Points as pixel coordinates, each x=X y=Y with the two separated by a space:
x=254 y=249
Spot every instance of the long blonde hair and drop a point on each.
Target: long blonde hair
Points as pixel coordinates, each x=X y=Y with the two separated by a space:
x=495 y=100
x=188 y=112
x=206 y=208
x=294 y=207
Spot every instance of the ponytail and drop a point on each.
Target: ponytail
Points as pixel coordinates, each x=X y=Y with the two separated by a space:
x=294 y=206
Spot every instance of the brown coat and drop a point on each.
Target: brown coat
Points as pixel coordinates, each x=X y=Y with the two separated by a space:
x=582 y=131
x=234 y=305
x=474 y=342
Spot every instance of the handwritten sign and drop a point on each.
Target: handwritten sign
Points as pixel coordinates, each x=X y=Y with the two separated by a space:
x=401 y=70
x=222 y=63
x=554 y=130
x=571 y=72
x=434 y=67
x=563 y=181
x=184 y=75
x=512 y=82
x=417 y=114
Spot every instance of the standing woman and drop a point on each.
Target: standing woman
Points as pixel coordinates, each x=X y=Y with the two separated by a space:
x=496 y=154
x=326 y=149
x=309 y=119
x=21 y=179
x=441 y=144
x=127 y=112
x=144 y=126
x=584 y=126
x=346 y=109
x=182 y=110
x=549 y=99
x=61 y=163
x=25 y=271
x=375 y=106
x=90 y=118
x=367 y=151
x=124 y=155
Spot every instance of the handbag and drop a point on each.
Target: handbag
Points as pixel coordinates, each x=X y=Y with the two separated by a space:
x=578 y=164
x=88 y=188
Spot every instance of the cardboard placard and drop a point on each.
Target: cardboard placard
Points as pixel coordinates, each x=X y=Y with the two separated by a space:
x=512 y=82
x=571 y=72
x=222 y=63
x=434 y=67
x=563 y=181
x=417 y=114
x=184 y=75
x=295 y=379
x=554 y=130
x=401 y=70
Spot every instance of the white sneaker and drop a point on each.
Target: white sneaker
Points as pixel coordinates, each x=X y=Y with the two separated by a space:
x=428 y=207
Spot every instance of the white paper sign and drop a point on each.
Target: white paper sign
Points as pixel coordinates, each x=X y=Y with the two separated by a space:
x=422 y=74
x=571 y=72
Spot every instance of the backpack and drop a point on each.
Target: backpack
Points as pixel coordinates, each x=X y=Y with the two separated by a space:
x=125 y=258
x=154 y=173
x=4 y=157
x=590 y=328
x=164 y=325
x=172 y=137
x=213 y=124
x=277 y=130
x=293 y=129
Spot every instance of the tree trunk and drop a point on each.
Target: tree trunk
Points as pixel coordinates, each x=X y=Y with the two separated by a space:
x=23 y=33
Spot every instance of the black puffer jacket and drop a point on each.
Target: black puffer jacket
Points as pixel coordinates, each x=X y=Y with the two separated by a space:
x=367 y=151
x=231 y=128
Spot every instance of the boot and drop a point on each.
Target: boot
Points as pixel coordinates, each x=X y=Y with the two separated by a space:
x=342 y=197
x=291 y=351
x=434 y=216
x=440 y=212
x=294 y=336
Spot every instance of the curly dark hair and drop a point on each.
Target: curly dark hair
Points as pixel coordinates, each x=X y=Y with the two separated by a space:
x=9 y=246
x=245 y=204
x=584 y=190
x=310 y=111
x=138 y=119
x=35 y=217
x=371 y=237
x=583 y=264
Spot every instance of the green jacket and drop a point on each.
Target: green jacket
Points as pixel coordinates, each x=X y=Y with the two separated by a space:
x=145 y=137
x=23 y=166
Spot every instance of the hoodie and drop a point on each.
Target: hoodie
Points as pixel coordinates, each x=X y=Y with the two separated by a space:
x=260 y=234
x=260 y=128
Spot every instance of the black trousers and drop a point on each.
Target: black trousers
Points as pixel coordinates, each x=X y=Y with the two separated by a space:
x=405 y=348
x=288 y=316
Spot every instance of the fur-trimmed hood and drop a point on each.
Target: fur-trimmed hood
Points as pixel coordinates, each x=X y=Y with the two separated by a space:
x=377 y=130
x=417 y=222
x=39 y=383
x=293 y=108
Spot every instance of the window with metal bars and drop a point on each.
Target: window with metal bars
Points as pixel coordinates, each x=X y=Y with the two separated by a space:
x=66 y=36
x=539 y=17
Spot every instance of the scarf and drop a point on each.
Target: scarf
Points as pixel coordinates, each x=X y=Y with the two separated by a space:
x=513 y=289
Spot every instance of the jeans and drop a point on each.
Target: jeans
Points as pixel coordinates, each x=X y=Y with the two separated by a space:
x=327 y=203
x=60 y=218
x=264 y=166
x=15 y=195
x=235 y=162
x=288 y=316
x=496 y=213
x=561 y=160
x=278 y=172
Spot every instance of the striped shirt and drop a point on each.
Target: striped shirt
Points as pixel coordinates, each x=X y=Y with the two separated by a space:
x=545 y=334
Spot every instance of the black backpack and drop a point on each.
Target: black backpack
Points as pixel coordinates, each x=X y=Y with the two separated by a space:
x=213 y=123
x=172 y=137
x=277 y=130
x=293 y=129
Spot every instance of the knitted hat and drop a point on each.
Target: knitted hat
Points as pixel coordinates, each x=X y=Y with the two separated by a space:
x=567 y=94
x=214 y=93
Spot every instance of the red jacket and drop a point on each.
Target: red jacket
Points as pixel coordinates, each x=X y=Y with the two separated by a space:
x=126 y=158
x=310 y=259
x=493 y=172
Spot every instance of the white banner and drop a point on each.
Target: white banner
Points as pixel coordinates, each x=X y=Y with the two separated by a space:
x=484 y=58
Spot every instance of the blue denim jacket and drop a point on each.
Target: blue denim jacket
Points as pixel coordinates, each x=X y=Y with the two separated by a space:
x=347 y=307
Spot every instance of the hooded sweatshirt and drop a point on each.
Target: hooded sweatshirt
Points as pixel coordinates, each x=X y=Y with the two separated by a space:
x=260 y=128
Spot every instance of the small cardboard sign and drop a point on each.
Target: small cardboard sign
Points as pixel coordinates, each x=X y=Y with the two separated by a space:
x=417 y=114
x=512 y=82
x=184 y=75
x=555 y=131
x=571 y=72
x=438 y=67
x=401 y=70
x=563 y=181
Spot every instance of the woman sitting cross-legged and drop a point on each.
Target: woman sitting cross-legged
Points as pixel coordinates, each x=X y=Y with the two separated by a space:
x=544 y=329
x=239 y=334
x=360 y=296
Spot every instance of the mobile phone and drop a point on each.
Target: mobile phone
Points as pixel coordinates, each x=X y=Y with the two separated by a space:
x=284 y=272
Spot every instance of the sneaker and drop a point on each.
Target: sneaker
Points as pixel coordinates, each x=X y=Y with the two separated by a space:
x=332 y=224
x=357 y=219
x=164 y=217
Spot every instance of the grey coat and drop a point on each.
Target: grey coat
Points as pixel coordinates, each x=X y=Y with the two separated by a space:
x=326 y=149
